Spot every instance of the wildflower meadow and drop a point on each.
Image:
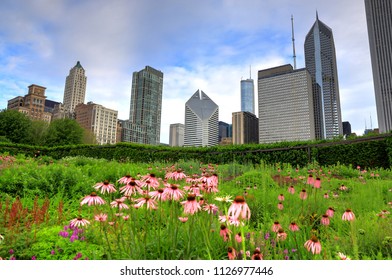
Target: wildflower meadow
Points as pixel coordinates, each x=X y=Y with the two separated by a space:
x=79 y=208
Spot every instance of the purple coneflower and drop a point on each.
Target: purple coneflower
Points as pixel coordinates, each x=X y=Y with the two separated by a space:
x=92 y=199
x=317 y=183
x=173 y=192
x=101 y=217
x=325 y=220
x=281 y=235
x=224 y=232
x=276 y=226
x=79 y=222
x=326 y=195
x=291 y=190
x=150 y=180
x=183 y=219
x=330 y=212
x=348 y=215
x=310 y=180
x=157 y=194
x=125 y=179
x=257 y=255
x=280 y=206
x=313 y=245
x=191 y=206
x=281 y=197
x=150 y=203
x=105 y=187
x=210 y=208
x=131 y=188
x=239 y=208
x=119 y=203
x=343 y=256
x=293 y=226
x=238 y=237
x=231 y=253
x=303 y=194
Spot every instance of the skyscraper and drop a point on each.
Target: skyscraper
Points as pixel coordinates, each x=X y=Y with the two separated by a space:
x=176 y=136
x=75 y=88
x=286 y=110
x=320 y=60
x=379 y=25
x=201 y=121
x=247 y=96
x=146 y=106
x=245 y=128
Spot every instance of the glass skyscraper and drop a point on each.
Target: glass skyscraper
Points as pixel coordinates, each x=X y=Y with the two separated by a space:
x=144 y=123
x=379 y=25
x=320 y=61
x=247 y=96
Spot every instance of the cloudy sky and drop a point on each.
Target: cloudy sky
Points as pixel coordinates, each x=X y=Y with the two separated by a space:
x=197 y=44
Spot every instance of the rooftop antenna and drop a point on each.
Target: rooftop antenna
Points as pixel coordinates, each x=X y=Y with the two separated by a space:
x=250 y=71
x=371 y=123
x=292 y=38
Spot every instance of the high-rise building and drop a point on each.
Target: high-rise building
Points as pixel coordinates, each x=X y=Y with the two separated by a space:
x=75 y=88
x=320 y=60
x=32 y=104
x=379 y=25
x=201 y=121
x=176 y=136
x=98 y=119
x=224 y=130
x=145 y=107
x=346 y=128
x=248 y=96
x=245 y=128
x=286 y=110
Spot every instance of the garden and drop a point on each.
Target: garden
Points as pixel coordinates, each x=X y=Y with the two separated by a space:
x=78 y=208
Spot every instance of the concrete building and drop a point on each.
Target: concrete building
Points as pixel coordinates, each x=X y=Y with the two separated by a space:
x=75 y=88
x=201 y=121
x=98 y=119
x=225 y=131
x=145 y=107
x=245 y=128
x=320 y=61
x=379 y=26
x=248 y=96
x=286 y=110
x=176 y=135
x=32 y=104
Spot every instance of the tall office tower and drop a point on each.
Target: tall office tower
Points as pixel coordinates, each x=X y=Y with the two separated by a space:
x=98 y=119
x=285 y=105
x=146 y=106
x=176 y=136
x=201 y=121
x=379 y=25
x=320 y=60
x=245 y=128
x=75 y=88
x=346 y=128
x=247 y=96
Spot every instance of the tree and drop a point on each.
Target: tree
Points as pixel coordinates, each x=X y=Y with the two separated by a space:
x=15 y=126
x=89 y=137
x=39 y=130
x=64 y=132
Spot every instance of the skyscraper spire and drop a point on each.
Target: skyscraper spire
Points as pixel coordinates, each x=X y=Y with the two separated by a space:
x=292 y=37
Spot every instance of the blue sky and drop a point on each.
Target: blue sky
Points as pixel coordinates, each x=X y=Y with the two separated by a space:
x=203 y=44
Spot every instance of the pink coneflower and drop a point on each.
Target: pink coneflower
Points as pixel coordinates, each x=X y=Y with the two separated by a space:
x=310 y=180
x=201 y=200
x=330 y=212
x=79 y=222
x=119 y=203
x=281 y=197
x=280 y=206
x=131 y=188
x=157 y=194
x=173 y=192
x=150 y=203
x=281 y=235
x=383 y=213
x=257 y=255
x=348 y=215
x=276 y=226
x=176 y=175
x=238 y=237
x=313 y=245
x=224 y=232
x=343 y=188
x=231 y=253
x=293 y=226
x=183 y=219
x=190 y=205
x=291 y=190
x=210 y=208
x=194 y=188
x=303 y=194
x=239 y=208
x=325 y=220
x=105 y=187
x=326 y=195
x=126 y=217
x=101 y=217
x=92 y=199
x=343 y=256
x=125 y=179
x=150 y=180
x=317 y=183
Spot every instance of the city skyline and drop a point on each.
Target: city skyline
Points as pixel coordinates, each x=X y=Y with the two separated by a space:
x=195 y=44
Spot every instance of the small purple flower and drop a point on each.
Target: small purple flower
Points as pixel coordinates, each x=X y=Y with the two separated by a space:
x=12 y=258
x=11 y=251
x=33 y=257
x=293 y=250
x=52 y=252
x=266 y=235
x=247 y=236
x=286 y=257
x=64 y=233
x=73 y=237
x=285 y=251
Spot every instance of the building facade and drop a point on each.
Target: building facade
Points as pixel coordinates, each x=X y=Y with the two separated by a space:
x=32 y=104
x=286 y=111
x=245 y=128
x=320 y=60
x=346 y=128
x=145 y=107
x=225 y=131
x=98 y=119
x=75 y=88
x=379 y=25
x=201 y=121
x=248 y=96
x=176 y=135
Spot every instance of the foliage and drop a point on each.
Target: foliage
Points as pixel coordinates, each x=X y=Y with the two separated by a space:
x=15 y=126
x=64 y=132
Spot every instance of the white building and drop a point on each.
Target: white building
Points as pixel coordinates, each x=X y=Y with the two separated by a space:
x=75 y=88
x=176 y=135
x=201 y=121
